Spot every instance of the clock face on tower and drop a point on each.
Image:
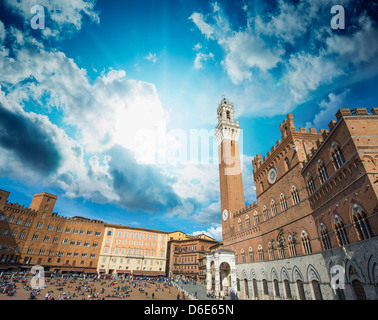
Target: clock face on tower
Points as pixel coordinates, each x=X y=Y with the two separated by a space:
x=225 y=214
x=272 y=175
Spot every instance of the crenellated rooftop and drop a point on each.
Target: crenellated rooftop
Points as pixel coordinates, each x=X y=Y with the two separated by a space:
x=15 y=207
x=333 y=123
x=287 y=129
x=253 y=205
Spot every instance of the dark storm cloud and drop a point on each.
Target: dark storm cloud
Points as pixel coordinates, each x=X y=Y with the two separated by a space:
x=28 y=141
x=139 y=186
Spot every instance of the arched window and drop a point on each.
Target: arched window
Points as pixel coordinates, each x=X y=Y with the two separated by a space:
x=247 y=221
x=254 y=286
x=261 y=253
x=281 y=249
x=238 y=284
x=287 y=289
x=361 y=223
x=276 y=288
x=340 y=231
x=251 y=256
x=270 y=250
x=256 y=218
x=30 y=250
x=306 y=242
x=310 y=183
x=337 y=155
x=35 y=237
x=358 y=289
x=301 y=293
x=265 y=287
x=283 y=202
x=295 y=195
x=324 y=237
x=242 y=254
x=291 y=242
x=322 y=171
x=316 y=290
x=274 y=208
x=265 y=212
x=240 y=225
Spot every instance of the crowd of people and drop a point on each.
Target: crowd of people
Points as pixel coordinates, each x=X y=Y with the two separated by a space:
x=8 y=284
x=84 y=287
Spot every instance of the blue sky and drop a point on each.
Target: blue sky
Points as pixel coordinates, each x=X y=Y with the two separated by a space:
x=103 y=105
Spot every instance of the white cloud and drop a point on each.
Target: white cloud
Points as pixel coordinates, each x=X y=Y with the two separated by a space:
x=213 y=232
x=245 y=51
x=328 y=109
x=357 y=48
x=199 y=182
x=109 y=116
x=248 y=183
x=210 y=214
x=204 y=27
x=61 y=15
x=2 y=31
x=109 y=108
x=342 y=57
x=197 y=47
x=266 y=75
x=216 y=7
x=200 y=57
x=307 y=72
x=291 y=22
x=151 y=57
x=113 y=75
x=184 y=210
x=115 y=121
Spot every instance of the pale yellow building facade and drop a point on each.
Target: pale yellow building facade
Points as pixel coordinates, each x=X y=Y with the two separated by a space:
x=133 y=251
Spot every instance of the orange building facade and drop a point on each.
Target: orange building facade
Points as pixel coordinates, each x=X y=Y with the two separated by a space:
x=316 y=208
x=37 y=236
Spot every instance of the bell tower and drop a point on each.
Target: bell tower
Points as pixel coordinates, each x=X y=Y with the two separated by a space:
x=230 y=177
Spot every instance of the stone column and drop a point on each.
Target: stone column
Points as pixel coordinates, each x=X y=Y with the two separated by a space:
x=217 y=280
x=233 y=278
x=209 y=280
x=217 y=274
x=233 y=273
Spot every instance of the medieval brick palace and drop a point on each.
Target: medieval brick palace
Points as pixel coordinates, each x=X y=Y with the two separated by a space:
x=312 y=233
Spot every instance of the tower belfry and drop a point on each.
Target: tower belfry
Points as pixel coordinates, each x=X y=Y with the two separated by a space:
x=226 y=111
x=231 y=183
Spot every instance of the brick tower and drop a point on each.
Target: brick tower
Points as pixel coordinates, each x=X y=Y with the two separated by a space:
x=43 y=202
x=231 y=183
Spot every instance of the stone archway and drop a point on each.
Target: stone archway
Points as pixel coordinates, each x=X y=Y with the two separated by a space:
x=246 y=289
x=222 y=261
x=225 y=276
